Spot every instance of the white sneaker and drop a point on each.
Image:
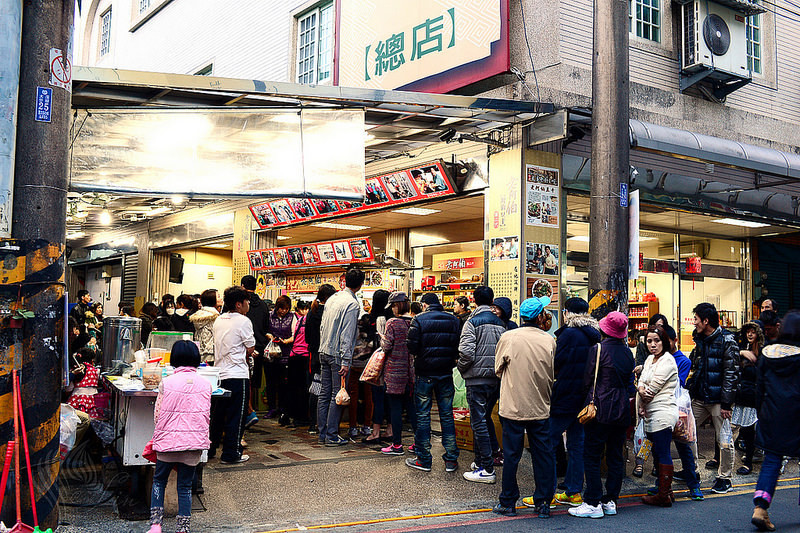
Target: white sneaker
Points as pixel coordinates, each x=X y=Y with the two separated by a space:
x=586 y=511
x=479 y=475
x=609 y=508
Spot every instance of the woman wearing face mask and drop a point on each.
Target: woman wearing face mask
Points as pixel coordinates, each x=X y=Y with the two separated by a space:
x=656 y=404
x=164 y=320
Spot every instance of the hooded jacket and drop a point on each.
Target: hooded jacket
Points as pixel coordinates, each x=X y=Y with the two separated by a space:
x=203 y=322
x=477 y=346
x=259 y=316
x=573 y=341
x=778 y=400
x=433 y=342
x=614 y=386
x=505 y=306
x=746 y=392
x=715 y=368
x=182 y=321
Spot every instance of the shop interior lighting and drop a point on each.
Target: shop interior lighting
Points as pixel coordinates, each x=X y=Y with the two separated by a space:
x=105 y=218
x=283 y=237
x=741 y=223
x=177 y=200
x=220 y=245
x=76 y=235
x=417 y=211
x=334 y=225
x=579 y=238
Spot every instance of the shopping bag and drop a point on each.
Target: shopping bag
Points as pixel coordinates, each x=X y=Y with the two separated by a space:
x=149 y=453
x=342 y=397
x=273 y=351
x=684 y=430
x=726 y=434
x=373 y=372
x=316 y=385
x=639 y=437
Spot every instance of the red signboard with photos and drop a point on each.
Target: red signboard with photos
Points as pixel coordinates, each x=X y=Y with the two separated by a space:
x=318 y=254
x=395 y=189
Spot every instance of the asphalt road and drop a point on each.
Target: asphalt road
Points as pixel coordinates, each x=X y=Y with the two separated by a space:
x=718 y=513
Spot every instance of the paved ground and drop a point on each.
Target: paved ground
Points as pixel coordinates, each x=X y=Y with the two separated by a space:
x=293 y=482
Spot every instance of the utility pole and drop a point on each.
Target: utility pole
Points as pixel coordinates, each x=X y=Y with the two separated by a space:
x=34 y=260
x=608 y=231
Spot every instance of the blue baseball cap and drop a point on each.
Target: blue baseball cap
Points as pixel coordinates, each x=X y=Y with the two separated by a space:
x=532 y=307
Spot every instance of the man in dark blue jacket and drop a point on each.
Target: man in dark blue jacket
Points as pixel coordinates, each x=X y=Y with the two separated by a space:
x=573 y=342
x=433 y=342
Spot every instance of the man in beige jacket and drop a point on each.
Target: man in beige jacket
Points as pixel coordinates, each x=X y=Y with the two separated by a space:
x=524 y=364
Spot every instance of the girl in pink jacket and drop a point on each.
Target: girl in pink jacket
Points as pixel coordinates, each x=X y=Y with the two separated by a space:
x=182 y=415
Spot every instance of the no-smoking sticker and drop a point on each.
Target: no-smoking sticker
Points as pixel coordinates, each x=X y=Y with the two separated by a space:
x=60 y=70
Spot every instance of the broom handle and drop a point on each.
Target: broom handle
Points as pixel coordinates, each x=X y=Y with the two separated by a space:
x=27 y=452
x=16 y=444
x=6 y=468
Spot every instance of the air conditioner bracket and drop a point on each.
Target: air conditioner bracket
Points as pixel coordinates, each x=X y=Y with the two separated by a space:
x=721 y=83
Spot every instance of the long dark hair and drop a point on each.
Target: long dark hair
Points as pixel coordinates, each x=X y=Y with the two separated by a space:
x=379 y=300
x=790 y=329
x=325 y=291
x=662 y=335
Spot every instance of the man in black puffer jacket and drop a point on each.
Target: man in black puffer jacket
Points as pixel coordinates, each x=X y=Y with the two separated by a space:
x=712 y=383
x=433 y=342
x=573 y=342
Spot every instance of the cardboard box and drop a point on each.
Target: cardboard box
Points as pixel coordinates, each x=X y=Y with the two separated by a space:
x=464 y=438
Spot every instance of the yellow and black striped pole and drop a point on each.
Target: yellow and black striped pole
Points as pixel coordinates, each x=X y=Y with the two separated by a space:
x=32 y=264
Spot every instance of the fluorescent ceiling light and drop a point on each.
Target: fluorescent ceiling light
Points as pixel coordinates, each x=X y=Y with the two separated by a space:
x=105 y=218
x=76 y=235
x=742 y=223
x=647 y=238
x=218 y=245
x=579 y=238
x=334 y=225
x=283 y=237
x=177 y=200
x=417 y=211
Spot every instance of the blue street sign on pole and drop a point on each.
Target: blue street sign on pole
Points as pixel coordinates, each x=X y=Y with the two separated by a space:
x=44 y=104
x=623 y=195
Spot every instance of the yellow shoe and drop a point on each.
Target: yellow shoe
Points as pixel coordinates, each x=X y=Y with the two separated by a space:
x=575 y=500
x=528 y=502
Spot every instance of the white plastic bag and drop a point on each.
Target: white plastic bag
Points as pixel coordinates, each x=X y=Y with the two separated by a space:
x=726 y=434
x=639 y=437
x=69 y=429
x=685 y=429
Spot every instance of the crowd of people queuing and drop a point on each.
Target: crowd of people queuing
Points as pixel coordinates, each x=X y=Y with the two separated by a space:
x=582 y=388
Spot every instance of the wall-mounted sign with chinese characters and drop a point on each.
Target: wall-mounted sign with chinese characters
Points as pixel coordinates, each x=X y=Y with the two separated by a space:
x=319 y=254
x=456 y=263
x=416 y=184
x=419 y=45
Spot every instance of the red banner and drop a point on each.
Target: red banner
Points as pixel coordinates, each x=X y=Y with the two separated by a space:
x=403 y=187
x=459 y=263
x=319 y=254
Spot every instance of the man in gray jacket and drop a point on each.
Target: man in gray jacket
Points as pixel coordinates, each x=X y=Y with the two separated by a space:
x=476 y=364
x=338 y=334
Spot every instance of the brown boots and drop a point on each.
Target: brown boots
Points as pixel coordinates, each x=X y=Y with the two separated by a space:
x=761 y=520
x=662 y=499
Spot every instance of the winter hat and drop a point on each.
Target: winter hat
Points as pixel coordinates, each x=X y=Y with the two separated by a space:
x=430 y=298
x=504 y=304
x=531 y=307
x=576 y=306
x=395 y=297
x=615 y=324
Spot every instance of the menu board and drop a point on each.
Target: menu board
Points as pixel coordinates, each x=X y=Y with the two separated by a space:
x=408 y=186
x=320 y=254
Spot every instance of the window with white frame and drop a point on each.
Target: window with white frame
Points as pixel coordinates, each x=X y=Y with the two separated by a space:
x=144 y=5
x=753 y=33
x=645 y=19
x=315 y=44
x=105 y=32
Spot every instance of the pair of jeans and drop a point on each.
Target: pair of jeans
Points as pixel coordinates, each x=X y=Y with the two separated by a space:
x=767 y=480
x=597 y=438
x=396 y=402
x=541 y=449
x=185 y=477
x=569 y=423
x=328 y=413
x=424 y=390
x=378 y=404
x=228 y=418
x=355 y=388
x=297 y=377
x=481 y=400
x=688 y=464
x=661 y=446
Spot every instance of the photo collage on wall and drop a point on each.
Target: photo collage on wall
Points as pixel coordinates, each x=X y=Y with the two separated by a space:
x=358 y=250
x=542 y=202
x=419 y=183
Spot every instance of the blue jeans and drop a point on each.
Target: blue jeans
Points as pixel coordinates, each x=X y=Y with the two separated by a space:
x=328 y=413
x=185 y=477
x=597 y=438
x=541 y=450
x=661 y=446
x=378 y=404
x=767 y=480
x=574 y=429
x=481 y=400
x=688 y=464
x=443 y=388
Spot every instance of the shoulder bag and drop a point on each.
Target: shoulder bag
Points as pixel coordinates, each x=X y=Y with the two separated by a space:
x=589 y=412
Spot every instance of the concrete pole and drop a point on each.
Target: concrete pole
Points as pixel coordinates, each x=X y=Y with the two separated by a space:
x=608 y=232
x=38 y=226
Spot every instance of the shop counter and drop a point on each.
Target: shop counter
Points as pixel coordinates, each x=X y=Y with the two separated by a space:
x=132 y=412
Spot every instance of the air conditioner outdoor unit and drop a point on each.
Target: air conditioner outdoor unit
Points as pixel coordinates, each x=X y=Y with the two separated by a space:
x=714 y=37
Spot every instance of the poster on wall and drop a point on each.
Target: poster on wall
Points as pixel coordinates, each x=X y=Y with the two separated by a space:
x=504 y=248
x=541 y=258
x=358 y=250
x=538 y=287
x=541 y=189
x=415 y=184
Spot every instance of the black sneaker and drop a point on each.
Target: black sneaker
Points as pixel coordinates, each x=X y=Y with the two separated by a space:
x=450 y=466
x=543 y=510
x=338 y=441
x=721 y=486
x=507 y=511
x=713 y=464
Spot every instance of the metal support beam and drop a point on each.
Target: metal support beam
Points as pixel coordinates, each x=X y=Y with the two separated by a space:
x=608 y=231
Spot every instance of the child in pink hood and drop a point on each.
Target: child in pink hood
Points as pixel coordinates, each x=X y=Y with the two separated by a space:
x=182 y=415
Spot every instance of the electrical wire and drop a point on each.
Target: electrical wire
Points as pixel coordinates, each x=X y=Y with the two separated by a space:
x=530 y=53
x=779 y=14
